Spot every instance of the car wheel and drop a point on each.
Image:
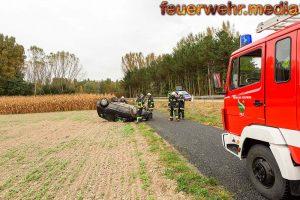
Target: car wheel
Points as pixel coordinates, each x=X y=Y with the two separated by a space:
x=265 y=174
x=104 y=102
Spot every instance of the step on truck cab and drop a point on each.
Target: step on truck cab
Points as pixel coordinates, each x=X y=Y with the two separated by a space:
x=261 y=113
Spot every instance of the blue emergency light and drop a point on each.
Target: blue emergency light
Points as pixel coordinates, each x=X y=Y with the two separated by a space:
x=245 y=39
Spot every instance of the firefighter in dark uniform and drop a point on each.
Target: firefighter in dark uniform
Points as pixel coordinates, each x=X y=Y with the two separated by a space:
x=173 y=106
x=150 y=102
x=114 y=99
x=123 y=100
x=181 y=103
x=140 y=106
x=169 y=104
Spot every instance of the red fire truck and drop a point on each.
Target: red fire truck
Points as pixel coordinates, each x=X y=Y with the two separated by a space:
x=261 y=113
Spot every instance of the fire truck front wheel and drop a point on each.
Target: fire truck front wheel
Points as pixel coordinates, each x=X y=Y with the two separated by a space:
x=265 y=174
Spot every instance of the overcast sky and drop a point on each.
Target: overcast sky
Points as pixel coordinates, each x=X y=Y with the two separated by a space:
x=100 y=32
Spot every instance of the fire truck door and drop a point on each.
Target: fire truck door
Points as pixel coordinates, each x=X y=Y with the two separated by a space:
x=244 y=102
x=281 y=82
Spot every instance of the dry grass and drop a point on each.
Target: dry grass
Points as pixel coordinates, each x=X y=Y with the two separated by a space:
x=208 y=113
x=49 y=103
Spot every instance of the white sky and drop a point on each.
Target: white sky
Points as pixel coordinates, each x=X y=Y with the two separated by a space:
x=100 y=32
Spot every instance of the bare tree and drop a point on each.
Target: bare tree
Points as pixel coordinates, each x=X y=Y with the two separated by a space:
x=132 y=61
x=42 y=69
x=64 y=65
x=35 y=66
x=149 y=59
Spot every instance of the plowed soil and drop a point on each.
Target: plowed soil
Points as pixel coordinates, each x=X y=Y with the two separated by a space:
x=77 y=155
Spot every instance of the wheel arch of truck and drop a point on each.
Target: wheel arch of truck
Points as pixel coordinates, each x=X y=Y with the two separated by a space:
x=278 y=140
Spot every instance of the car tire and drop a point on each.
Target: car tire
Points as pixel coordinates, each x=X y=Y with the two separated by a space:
x=104 y=102
x=265 y=174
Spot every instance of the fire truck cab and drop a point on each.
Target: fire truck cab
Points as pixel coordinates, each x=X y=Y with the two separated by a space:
x=261 y=113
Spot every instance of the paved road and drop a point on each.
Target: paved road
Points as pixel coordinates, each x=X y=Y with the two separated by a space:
x=202 y=146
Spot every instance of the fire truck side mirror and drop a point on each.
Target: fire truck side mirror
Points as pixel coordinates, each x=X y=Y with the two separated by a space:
x=217 y=84
x=217 y=80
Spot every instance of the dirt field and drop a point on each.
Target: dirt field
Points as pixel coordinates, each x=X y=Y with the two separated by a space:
x=76 y=155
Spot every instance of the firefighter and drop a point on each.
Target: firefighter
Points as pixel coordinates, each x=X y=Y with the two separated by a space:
x=169 y=104
x=173 y=106
x=140 y=106
x=123 y=100
x=114 y=99
x=181 y=103
x=150 y=102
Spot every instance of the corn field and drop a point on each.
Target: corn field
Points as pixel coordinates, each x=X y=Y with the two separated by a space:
x=48 y=103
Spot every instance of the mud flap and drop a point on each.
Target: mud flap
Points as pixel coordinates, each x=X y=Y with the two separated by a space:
x=295 y=188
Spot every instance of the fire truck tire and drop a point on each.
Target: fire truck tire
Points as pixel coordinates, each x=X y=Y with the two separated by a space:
x=265 y=174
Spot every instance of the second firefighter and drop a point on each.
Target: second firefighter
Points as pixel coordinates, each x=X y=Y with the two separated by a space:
x=150 y=102
x=181 y=103
x=173 y=106
x=140 y=106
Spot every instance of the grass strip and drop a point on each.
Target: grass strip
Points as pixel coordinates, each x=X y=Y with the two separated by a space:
x=208 y=113
x=177 y=168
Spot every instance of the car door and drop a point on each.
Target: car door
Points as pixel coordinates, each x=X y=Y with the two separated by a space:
x=244 y=102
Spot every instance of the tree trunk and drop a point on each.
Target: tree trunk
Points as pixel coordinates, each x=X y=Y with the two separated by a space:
x=209 y=84
x=35 y=88
x=198 y=84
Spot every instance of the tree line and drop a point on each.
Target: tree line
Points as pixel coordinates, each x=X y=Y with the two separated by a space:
x=191 y=64
x=33 y=72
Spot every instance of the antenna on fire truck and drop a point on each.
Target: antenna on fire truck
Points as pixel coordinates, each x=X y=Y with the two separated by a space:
x=277 y=23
